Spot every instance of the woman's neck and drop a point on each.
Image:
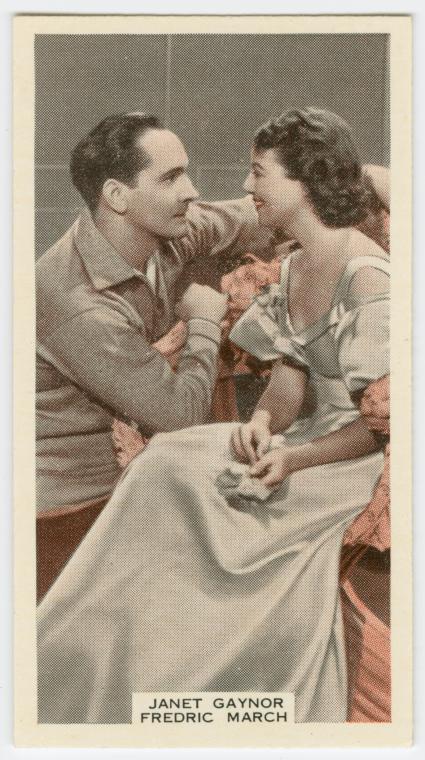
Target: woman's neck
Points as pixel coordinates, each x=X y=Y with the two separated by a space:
x=317 y=241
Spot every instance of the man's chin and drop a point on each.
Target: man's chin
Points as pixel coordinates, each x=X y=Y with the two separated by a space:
x=180 y=227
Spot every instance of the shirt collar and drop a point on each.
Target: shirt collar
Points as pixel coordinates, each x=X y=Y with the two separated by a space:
x=103 y=263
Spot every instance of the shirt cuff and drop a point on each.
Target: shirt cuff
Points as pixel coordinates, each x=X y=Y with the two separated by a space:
x=204 y=328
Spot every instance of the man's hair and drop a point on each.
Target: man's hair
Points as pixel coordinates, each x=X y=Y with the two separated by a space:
x=316 y=147
x=110 y=151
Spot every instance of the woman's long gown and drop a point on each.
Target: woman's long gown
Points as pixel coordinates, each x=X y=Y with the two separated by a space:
x=173 y=589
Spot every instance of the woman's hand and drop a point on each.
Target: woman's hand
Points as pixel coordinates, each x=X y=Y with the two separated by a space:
x=252 y=439
x=274 y=467
x=349 y=442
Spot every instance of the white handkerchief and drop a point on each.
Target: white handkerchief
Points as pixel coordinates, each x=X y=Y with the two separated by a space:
x=236 y=483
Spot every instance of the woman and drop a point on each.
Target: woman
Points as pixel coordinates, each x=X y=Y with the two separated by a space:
x=195 y=577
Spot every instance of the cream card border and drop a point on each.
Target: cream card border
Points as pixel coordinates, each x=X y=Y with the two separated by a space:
x=27 y=732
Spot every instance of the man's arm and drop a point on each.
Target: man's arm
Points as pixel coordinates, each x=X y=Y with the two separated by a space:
x=111 y=361
x=225 y=228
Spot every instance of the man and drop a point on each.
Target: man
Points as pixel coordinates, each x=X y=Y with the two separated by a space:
x=106 y=292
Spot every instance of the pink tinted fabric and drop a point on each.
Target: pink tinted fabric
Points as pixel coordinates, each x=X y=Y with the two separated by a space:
x=242 y=285
x=368 y=647
x=372 y=526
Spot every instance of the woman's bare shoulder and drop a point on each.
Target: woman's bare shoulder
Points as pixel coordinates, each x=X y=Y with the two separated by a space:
x=362 y=245
x=368 y=280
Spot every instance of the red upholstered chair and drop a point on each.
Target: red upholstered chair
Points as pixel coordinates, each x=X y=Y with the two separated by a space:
x=58 y=533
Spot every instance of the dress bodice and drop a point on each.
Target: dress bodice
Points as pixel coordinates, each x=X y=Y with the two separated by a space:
x=343 y=351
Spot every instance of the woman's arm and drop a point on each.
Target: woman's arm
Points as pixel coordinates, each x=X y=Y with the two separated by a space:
x=284 y=396
x=277 y=408
x=350 y=442
x=380 y=177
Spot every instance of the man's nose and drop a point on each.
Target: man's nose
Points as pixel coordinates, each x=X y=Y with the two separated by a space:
x=248 y=185
x=189 y=193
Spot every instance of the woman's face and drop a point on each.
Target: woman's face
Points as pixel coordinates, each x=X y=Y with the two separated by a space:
x=277 y=198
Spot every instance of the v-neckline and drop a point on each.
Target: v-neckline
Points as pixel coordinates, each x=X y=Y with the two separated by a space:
x=318 y=322
x=286 y=283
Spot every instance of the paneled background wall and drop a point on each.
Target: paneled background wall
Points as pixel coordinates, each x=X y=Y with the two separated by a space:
x=212 y=90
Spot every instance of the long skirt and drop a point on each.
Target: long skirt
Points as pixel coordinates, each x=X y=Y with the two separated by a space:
x=174 y=589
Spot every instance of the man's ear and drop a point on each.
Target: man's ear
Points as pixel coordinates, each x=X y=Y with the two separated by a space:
x=114 y=193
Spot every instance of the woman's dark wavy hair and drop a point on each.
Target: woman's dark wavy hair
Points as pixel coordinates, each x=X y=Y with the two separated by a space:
x=110 y=151
x=316 y=147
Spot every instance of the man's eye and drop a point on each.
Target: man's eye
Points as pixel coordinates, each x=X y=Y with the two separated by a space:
x=170 y=178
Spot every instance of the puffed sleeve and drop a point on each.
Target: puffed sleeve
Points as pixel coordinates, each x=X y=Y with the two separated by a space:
x=362 y=339
x=262 y=331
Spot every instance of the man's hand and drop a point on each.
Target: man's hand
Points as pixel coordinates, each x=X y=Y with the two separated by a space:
x=274 y=466
x=202 y=302
x=251 y=440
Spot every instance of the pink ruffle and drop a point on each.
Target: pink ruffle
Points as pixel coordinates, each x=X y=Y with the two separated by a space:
x=372 y=526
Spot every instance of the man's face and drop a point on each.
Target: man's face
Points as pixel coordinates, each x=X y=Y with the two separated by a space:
x=162 y=191
x=277 y=198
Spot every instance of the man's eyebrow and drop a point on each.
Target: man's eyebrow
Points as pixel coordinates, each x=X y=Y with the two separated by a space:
x=257 y=165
